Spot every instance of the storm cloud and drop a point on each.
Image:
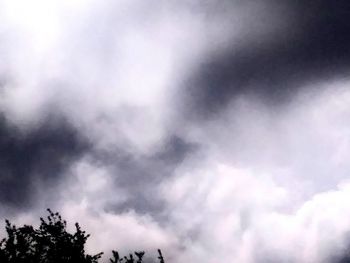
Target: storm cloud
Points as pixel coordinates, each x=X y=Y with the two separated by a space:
x=314 y=46
x=215 y=130
x=35 y=158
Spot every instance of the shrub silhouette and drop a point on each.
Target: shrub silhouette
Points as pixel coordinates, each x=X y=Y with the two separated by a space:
x=51 y=243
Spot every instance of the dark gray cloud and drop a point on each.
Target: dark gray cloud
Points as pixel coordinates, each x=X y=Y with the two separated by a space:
x=35 y=157
x=314 y=47
x=139 y=175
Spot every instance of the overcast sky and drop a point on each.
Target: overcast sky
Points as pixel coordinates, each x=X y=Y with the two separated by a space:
x=216 y=130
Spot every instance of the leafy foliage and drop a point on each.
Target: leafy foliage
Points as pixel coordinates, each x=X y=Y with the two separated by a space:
x=51 y=243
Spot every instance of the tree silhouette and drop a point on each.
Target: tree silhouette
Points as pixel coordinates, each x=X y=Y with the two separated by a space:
x=51 y=243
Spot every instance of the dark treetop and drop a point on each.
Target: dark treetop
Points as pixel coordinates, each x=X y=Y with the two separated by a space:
x=51 y=243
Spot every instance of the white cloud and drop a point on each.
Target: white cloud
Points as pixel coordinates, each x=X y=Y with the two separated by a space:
x=110 y=68
x=223 y=213
x=272 y=184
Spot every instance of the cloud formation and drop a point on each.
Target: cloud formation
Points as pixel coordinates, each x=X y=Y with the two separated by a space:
x=313 y=45
x=36 y=158
x=213 y=129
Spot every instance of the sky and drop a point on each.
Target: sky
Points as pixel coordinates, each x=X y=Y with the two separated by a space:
x=215 y=130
